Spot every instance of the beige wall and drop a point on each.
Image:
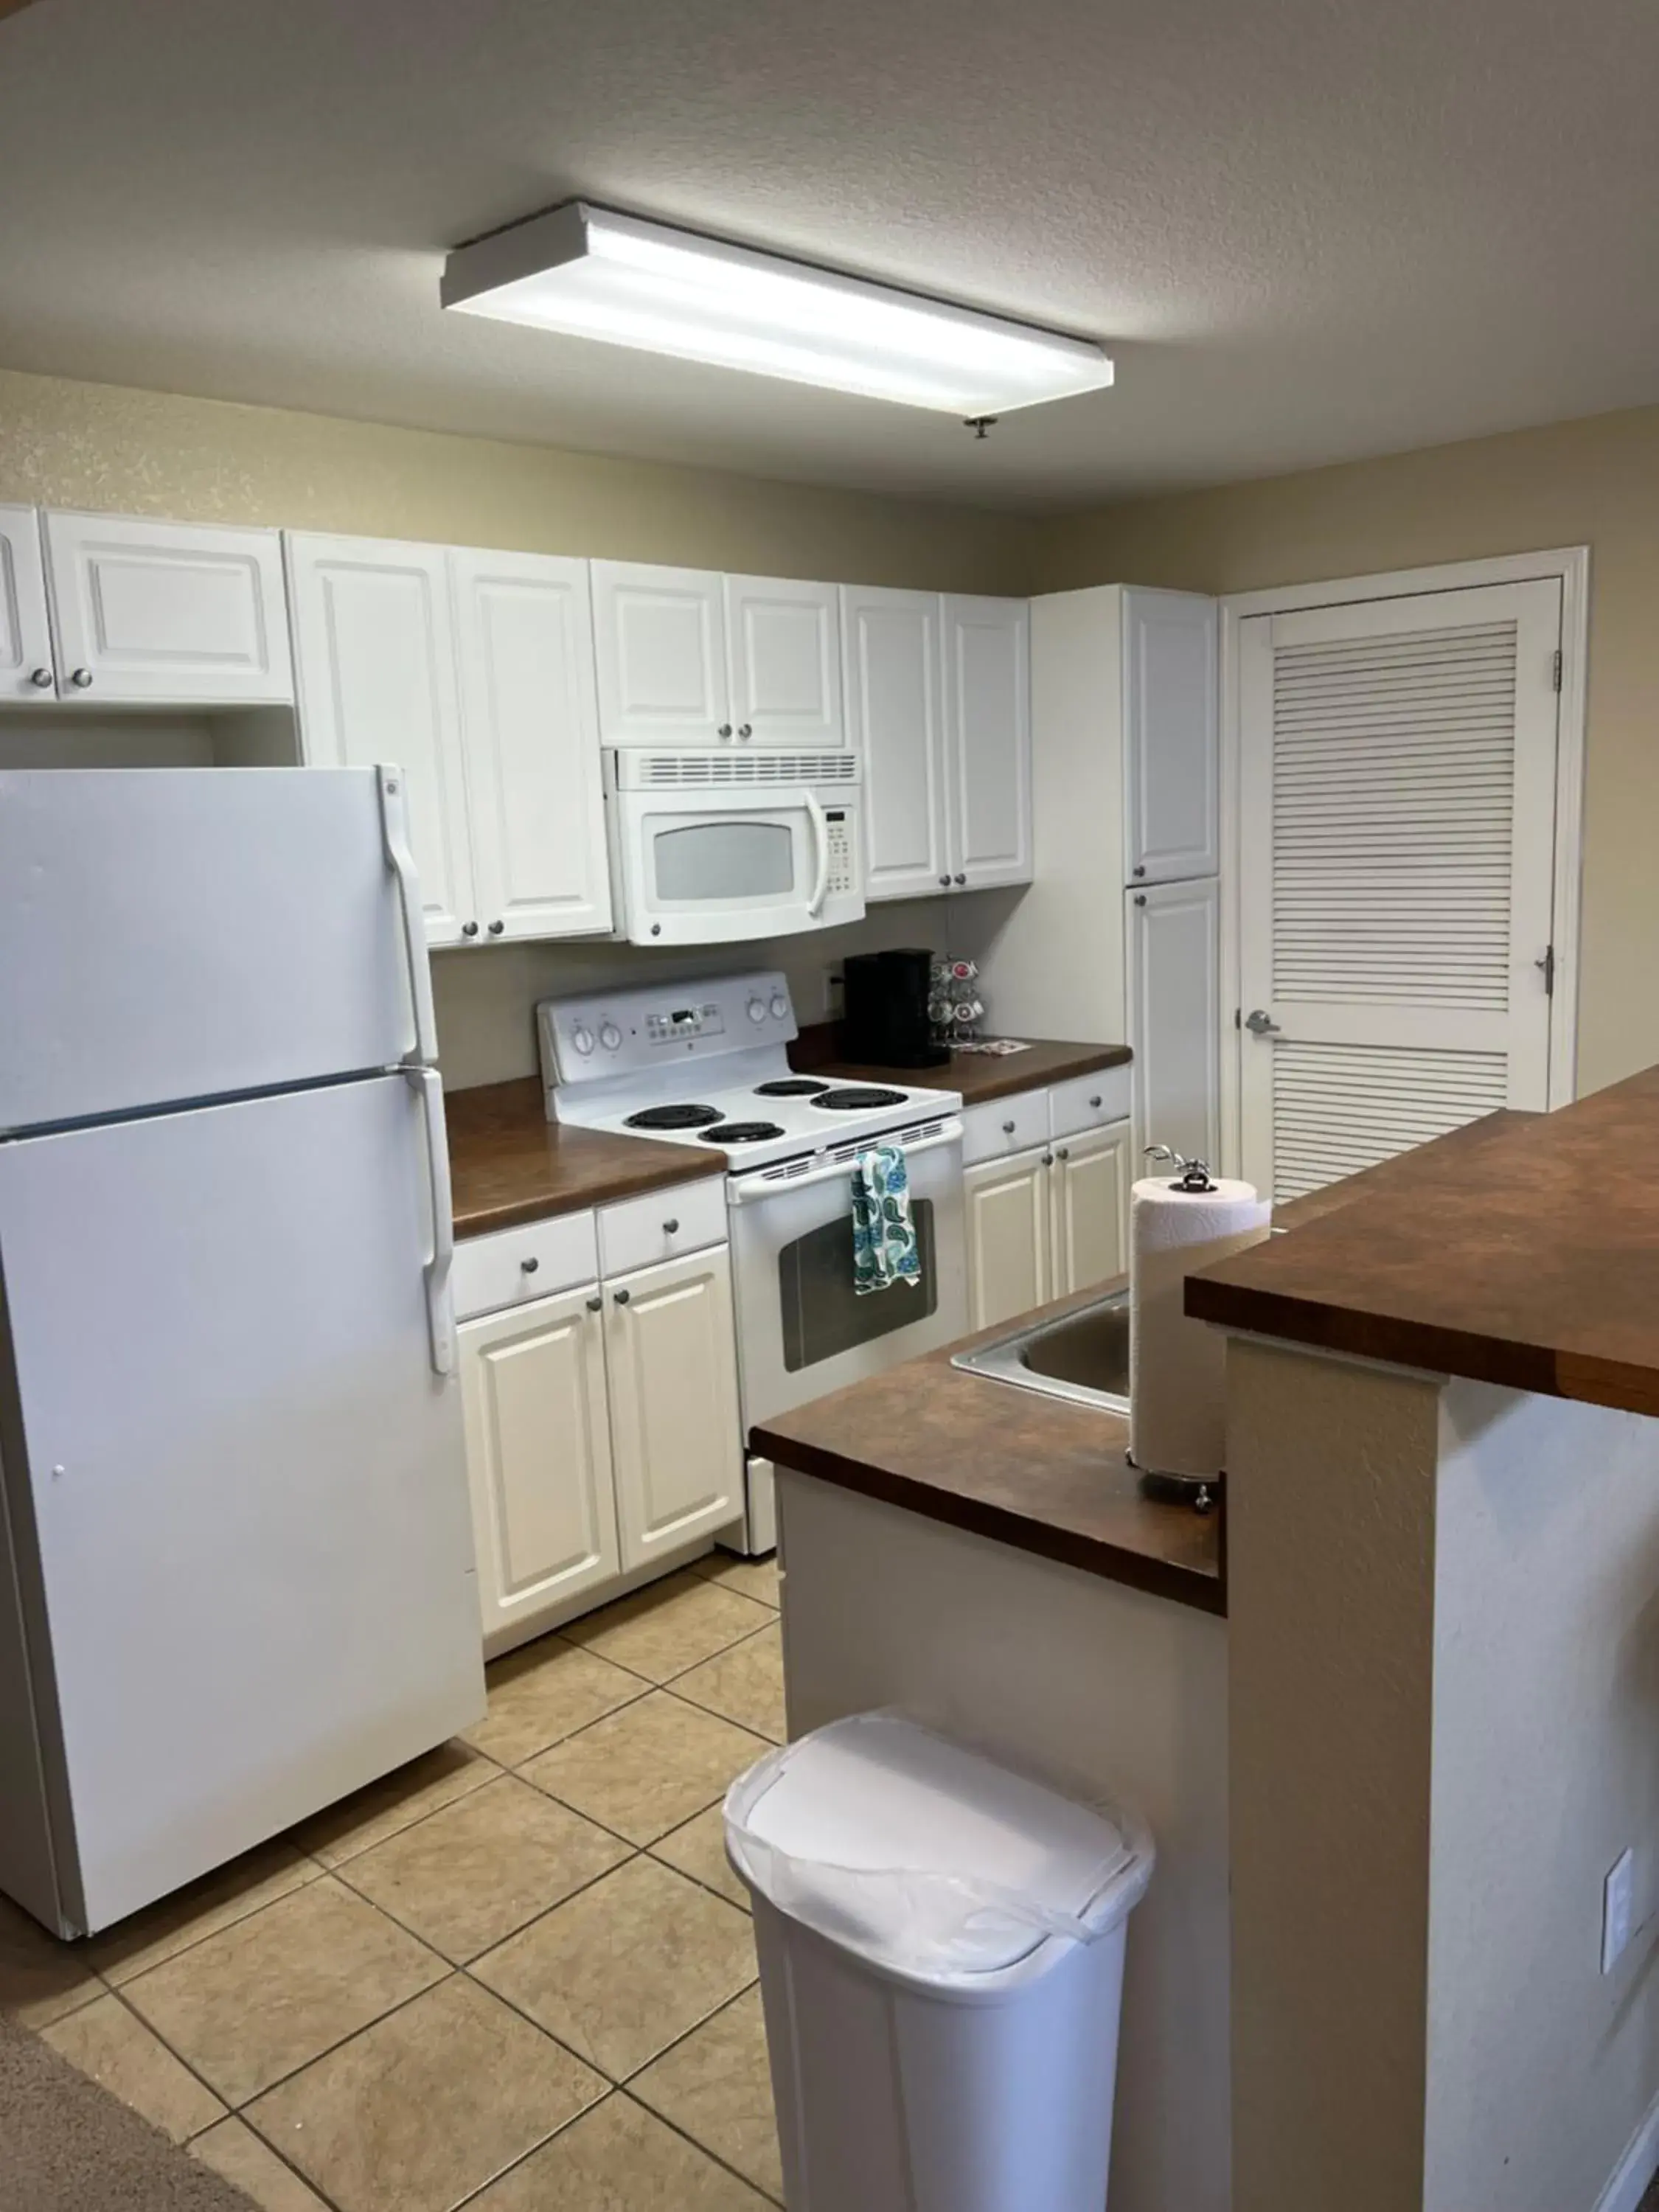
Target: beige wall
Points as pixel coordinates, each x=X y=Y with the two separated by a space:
x=1592 y=483
x=105 y=448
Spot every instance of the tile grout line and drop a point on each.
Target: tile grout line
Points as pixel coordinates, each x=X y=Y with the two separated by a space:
x=764 y=2195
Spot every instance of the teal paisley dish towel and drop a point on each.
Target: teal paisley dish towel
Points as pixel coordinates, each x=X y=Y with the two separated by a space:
x=884 y=1236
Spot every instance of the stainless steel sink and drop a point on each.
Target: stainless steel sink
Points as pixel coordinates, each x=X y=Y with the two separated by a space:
x=1082 y=1357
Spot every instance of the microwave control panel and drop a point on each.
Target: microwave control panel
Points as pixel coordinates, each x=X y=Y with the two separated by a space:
x=839 y=841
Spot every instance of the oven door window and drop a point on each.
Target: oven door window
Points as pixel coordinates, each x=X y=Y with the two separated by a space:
x=721 y=860
x=824 y=1316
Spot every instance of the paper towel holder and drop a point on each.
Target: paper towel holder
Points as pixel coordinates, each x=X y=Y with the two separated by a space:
x=1192 y=1176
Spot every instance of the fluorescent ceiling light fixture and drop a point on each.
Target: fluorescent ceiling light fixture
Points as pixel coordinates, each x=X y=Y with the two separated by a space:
x=594 y=274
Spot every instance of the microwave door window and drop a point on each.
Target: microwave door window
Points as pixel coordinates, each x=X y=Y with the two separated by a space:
x=823 y=1315
x=721 y=862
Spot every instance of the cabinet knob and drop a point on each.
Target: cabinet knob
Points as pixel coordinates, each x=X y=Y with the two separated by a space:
x=946 y=881
x=1139 y=869
x=1062 y=1151
x=82 y=679
x=622 y=1297
x=41 y=678
x=1047 y=1159
x=746 y=729
x=726 y=729
x=1140 y=898
x=959 y=880
x=1007 y=1129
x=1095 y=1101
x=530 y=1265
x=670 y=1227
x=496 y=928
x=594 y=1305
x=469 y=929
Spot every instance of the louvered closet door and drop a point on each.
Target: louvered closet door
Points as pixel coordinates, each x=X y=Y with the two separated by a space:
x=1397 y=804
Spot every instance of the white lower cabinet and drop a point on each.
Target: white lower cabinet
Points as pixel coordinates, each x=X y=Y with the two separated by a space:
x=669 y=1357
x=602 y=1436
x=1044 y=1223
x=538 y=1458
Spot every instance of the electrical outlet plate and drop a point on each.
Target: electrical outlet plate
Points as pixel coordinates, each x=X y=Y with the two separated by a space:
x=1616 y=1900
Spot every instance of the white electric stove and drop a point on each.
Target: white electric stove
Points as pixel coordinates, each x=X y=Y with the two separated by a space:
x=706 y=1063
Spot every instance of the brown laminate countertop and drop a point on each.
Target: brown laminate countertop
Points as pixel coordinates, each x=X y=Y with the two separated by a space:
x=1523 y=1250
x=508 y=1163
x=1036 y=1473
x=977 y=1075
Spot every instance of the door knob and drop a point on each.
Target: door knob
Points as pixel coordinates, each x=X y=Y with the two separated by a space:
x=41 y=678
x=1261 y=1024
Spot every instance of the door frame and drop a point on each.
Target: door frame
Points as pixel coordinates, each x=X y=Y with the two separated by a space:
x=1568 y=566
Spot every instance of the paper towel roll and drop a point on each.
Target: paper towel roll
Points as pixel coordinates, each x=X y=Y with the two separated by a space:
x=1177 y=1404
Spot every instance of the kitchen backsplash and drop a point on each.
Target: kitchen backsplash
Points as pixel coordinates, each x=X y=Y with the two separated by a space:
x=486 y=995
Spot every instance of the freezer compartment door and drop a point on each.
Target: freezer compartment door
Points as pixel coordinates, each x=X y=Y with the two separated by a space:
x=188 y=934
x=243 y=1472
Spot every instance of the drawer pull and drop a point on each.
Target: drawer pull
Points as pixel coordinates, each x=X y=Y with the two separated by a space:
x=622 y=1297
x=670 y=1227
x=594 y=1305
x=1095 y=1100
x=530 y=1265
x=1007 y=1129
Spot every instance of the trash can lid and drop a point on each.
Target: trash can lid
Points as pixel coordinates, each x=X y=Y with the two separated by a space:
x=926 y=1856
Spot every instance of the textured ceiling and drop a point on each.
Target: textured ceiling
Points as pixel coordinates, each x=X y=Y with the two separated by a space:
x=1311 y=229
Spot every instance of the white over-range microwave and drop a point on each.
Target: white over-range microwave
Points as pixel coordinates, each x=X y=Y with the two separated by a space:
x=709 y=848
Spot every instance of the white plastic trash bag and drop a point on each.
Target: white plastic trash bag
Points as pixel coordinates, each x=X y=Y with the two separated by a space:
x=925 y=1857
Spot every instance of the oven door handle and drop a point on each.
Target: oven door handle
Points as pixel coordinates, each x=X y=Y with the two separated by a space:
x=744 y=1191
x=820 y=838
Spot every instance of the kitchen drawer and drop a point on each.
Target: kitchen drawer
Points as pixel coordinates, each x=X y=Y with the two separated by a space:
x=1089 y=1102
x=509 y=1267
x=640 y=1232
x=1001 y=1126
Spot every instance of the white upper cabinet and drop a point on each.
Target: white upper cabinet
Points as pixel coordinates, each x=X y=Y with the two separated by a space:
x=1172 y=750
x=149 y=613
x=783 y=655
x=895 y=721
x=27 y=670
x=1174 y=938
x=529 y=722
x=660 y=634
x=376 y=656
x=988 y=727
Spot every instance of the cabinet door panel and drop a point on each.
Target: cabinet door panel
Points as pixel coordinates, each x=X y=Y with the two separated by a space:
x=988 y=720
x=671 y=1356
x=25 y=636
x=1007 y=1209
x=783 y=642
x=538 y=1459
x=150 y=612
x=890 y=653
x=1090 y=1186
x=525 y=641
x=1172 y=750
x=660 y=639
x=1174 y=1016
x=376 y=652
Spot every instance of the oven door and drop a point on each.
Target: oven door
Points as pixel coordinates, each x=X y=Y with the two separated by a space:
x=802 y=1329
x=708 y=867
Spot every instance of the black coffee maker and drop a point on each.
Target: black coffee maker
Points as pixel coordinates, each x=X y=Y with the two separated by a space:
x=884 y=1019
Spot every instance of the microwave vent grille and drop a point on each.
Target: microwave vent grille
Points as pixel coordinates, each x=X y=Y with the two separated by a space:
x=666 y=771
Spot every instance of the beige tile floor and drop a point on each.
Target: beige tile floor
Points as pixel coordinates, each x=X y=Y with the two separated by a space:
x=516 y=1976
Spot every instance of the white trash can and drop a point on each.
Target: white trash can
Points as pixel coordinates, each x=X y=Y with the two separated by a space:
x=941 y=1956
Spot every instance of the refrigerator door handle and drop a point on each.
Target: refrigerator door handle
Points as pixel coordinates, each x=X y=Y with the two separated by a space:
x=440 y=1312
x=400 y=858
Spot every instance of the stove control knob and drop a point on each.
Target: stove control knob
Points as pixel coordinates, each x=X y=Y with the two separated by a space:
x=757 y=1010
x=611 y=1036
x=780 y=1007
x=582 y=1039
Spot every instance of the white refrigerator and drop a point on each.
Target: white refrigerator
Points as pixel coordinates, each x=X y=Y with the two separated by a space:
x=236 y=1574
